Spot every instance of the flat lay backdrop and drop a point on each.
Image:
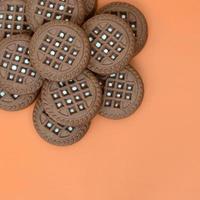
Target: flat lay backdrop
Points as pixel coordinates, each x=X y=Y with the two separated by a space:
x=153 y=155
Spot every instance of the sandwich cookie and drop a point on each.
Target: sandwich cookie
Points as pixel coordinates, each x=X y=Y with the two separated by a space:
x=17 y=76
x=112 y=43
x=123 y=94
x=53 y=132
x=59 y=51
x=134 y=17
x=74 y=102
x=42 y=11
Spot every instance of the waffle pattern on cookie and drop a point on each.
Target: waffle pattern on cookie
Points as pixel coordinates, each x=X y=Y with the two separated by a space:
x=51 y=9
x=16 y=63
x=42 y=11
x=11 y=96
x=73 y=96
x=55 y=128
x=74 y=102
x=16 y=72
x=107 y=43
x=54 y=132
x=128 y=17
x=112 y=43
x=118 y=90
x=59 y=49
x=12 y=18
x=14 y=102
x=133 y=17
x=123 y=93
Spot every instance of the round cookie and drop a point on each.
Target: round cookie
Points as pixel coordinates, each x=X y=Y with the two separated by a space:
x=17 y=76
x=14 y=102
x=112 y=43
x=134 y=17
x=123 y=94
x=54 y=133
x=74 y=102
x=90 y=6
x=59 y=50
x=12 y=18
x=39 y=12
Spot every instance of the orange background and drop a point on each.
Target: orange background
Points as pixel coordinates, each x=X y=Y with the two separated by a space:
x=153 y=155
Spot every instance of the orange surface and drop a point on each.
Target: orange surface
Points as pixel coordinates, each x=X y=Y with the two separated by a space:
x=153 y=155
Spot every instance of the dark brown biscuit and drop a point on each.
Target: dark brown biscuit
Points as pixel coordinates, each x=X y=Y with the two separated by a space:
x=90 y=6
x=59 y=51
x=112 y=43
x=12 y=18
x=17 y=76
x=42 y=11
x=74 y=102
x=133 y=17
x=123 y=94
x=14 y=102
x=53 y=132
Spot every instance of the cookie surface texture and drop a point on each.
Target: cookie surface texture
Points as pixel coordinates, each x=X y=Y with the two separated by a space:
x=59 y=51
x=112 y=43
x=134 y=17
x=123 y=94
x=39 y=12
x=17 y=76
x=74 y=102
x=12 y=18
x=14 y=102
x=54 y=133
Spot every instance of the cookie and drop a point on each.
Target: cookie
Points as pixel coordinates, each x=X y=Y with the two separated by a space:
x=123 y=94
x=42 y=11
x=74 y=102
x=14 y=102
x=90 y=6
x=17 y=76
x=53 y=132
x=12 y=18
x=59 y=51
x=134 y=17
x=112 y=43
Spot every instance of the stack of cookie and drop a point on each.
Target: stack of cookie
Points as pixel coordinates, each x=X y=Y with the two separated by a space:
x=75 y=62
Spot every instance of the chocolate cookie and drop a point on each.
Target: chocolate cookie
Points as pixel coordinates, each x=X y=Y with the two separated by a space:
x=133 y=17
x=53 y=132
x=12 y=18
x=123 y=94
x=59 y=50
x=112 y=43
x=17 y=76
x=14 y=102
x=42 y=11
x=90 y=6
x=74 y=102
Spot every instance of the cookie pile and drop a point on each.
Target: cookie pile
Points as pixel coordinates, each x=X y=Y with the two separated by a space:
x=74 y=59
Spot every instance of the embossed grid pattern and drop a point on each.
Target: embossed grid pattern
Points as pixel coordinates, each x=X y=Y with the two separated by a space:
x=118 y=90
x=72 y=96
x=13 y=20
x=126 y=16
x=51 y=9
x=4 y=93
x=17 y=64
x=55 y=128
x=106 y=43
x=59 y=49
